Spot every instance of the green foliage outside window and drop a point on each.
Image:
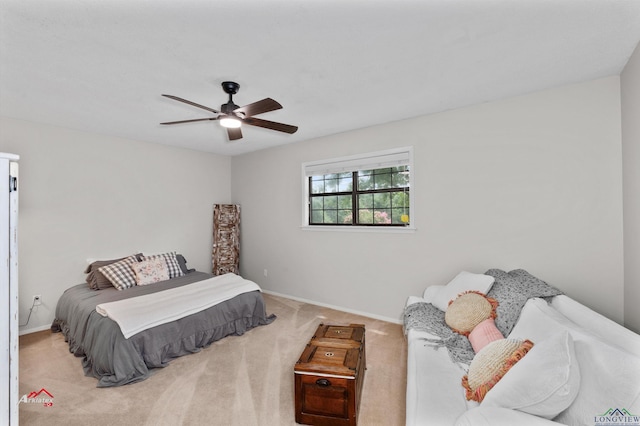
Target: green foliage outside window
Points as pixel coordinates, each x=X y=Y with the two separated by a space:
x=380 y=198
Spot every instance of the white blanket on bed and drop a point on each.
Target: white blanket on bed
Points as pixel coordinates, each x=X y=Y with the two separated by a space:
x=140 y=313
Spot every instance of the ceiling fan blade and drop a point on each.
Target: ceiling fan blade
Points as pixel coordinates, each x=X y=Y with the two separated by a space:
x=280 y=127
x=190 y=121
x=259 y=107
x=234 y=133
x=175 y=98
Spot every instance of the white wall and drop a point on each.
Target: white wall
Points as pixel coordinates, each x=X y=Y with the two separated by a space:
x=85 y=196
x=630 y=97
x=531 y=182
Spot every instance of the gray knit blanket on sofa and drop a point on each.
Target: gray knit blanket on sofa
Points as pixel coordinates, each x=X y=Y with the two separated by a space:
x=511 y=290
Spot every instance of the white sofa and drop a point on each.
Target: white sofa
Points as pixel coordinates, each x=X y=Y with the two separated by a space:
x=606 y=354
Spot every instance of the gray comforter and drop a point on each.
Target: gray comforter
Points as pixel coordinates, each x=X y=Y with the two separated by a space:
x=117 y=361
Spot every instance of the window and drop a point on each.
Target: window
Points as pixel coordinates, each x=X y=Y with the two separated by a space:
x=371 y=190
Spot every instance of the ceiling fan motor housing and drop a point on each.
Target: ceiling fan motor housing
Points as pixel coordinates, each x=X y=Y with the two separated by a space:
x=230 y=87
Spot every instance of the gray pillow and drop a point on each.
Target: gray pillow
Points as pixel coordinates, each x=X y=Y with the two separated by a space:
x=96 y=279
x=183 y=264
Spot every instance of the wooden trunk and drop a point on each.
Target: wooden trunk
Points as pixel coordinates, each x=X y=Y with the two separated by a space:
x=329 y=376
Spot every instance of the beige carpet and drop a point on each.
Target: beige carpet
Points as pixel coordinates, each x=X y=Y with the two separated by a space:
x=241 y=380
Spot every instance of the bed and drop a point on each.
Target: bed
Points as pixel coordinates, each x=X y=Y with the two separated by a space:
x=115 y=360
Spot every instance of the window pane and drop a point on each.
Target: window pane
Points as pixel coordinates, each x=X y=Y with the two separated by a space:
x=400 y=178
x=345 y=202
x=365 y=183
x=317 y=216
x=317 y=186
x=397 y=216
x=317 y=203
x=382 y=216
x=365 y=216
x=400 y=199
x=331 y=202
x=345 y=184
x=365 y=201
x=345 y=216
x=330 y=216
x=331 y=185
x=382 y=200
x=382 y=180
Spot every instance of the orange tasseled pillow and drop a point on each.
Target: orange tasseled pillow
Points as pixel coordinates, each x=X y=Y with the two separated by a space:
x=468 y=310
x=491 y=363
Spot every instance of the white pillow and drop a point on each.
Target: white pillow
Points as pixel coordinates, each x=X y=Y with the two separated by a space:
x=464 y=281
x=543 y=383
x=609 y=376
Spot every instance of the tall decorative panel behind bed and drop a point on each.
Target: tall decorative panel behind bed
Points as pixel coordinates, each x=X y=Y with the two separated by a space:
x=226 y=239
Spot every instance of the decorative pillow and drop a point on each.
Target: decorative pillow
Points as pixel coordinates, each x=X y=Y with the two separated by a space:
x=151 y=271
x=183 y=263
x=96 y=279
x=172 y=263
x=464 y=281
x=468 y=310
x=544 y=383
x=490 y=364
x=484 y=333
x=120 y=273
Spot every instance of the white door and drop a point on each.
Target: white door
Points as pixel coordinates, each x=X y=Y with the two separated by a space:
x=8 y=289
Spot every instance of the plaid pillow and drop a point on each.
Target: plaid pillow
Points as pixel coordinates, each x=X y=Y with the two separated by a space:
x=120 y=273
x=172 y=263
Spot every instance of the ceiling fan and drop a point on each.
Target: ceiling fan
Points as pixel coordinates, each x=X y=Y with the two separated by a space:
x=231 y=116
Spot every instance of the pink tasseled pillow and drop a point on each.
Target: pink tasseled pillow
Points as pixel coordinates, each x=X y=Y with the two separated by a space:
x=483 y=334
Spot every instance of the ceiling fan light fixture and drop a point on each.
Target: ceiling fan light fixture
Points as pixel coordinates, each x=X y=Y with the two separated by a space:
x=230 y=123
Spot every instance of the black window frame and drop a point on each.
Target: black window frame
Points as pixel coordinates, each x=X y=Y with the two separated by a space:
x=354 y=193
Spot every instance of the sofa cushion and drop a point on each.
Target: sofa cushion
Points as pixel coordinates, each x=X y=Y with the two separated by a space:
x=494 y=416
x=484 y=333
x=609 y=376
x=464 y=281
x=543 y=383
x=491 y=364
x=468 y=310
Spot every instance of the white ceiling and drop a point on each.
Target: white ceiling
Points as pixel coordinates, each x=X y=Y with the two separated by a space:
x=335 y=65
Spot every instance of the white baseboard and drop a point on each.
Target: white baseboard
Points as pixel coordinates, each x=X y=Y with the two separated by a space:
x=337 y=308
x=34 y=330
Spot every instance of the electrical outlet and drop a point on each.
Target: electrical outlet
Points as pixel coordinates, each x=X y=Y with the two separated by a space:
x=37 y=300
x=266 y=273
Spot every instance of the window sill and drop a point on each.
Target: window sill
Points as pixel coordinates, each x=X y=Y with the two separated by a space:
x=374 y=229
